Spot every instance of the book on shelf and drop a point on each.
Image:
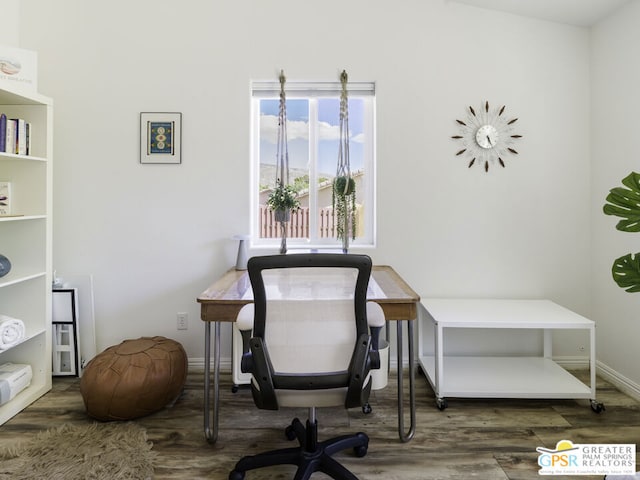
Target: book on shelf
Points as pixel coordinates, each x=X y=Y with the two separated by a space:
x=5 y=198
x=28 y=138
x=3 y=132
x=15 y=135
x=21 y=136
x=10 y=136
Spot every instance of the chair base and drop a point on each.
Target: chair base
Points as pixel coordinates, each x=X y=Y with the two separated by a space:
x=311 y=456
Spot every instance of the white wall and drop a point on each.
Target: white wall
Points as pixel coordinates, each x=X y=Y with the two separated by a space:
x=614 y=135
x=10 y=22
x=155 y=236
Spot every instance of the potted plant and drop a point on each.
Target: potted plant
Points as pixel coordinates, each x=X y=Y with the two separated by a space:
x=282 y=200
x=344 y=207
x=624 y=202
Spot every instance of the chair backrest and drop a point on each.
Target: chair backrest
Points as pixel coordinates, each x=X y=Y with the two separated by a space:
x=310 y=326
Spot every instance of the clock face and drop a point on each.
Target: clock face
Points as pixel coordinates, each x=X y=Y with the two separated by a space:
x=487 y=136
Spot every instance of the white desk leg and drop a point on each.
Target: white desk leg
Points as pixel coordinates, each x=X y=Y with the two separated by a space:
x=211 y=427
x=595 y=405
x=439 y=366
x=548 y=343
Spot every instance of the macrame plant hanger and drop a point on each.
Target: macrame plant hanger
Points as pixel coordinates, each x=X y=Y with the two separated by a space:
x=282 y=149
x=282 y=161
x=344 y=187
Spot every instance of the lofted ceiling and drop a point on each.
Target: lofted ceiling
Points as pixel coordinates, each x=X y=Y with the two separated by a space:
x=581 y=13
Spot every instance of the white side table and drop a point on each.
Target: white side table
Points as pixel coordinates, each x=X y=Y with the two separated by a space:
x=499 y=376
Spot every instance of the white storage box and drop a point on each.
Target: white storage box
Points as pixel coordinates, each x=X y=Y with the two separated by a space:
x=14 y=378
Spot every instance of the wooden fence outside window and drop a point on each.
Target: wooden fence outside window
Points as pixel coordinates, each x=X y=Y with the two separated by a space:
x=298 y=226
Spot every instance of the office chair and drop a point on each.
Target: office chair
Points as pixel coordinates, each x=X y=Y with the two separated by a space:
x=307 y=343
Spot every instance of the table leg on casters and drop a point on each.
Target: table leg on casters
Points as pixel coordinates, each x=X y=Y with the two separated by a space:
x=405 y=437
x=211 y=428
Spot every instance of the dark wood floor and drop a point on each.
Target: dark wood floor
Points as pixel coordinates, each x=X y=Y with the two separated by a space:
x=483 y=439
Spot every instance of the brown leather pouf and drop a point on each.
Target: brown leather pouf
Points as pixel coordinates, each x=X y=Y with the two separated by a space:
x=134 y=378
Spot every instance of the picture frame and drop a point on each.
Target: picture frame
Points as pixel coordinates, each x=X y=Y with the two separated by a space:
x=161 y=137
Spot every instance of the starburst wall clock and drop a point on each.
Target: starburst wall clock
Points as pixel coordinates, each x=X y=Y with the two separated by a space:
x=486 y=136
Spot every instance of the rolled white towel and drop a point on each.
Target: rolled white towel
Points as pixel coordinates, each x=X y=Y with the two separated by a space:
x=12 y=331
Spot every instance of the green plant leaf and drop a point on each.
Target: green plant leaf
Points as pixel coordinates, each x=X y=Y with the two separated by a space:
x=626 y=272
x=625 y=203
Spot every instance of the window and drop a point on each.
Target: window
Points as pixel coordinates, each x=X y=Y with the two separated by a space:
x=313 y=112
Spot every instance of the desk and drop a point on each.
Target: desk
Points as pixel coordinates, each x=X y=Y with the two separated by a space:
x=222 y=301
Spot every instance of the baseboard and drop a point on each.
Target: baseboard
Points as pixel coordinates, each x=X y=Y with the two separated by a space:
x=570 y=363
x=615 y=378
x=621 y=382
x=197 y=364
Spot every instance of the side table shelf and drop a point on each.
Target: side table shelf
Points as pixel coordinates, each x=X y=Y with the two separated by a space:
x=491 y=376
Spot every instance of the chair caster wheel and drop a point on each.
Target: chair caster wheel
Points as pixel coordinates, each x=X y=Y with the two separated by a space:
x=366 y=408
x=360 y=451
x=236 y=475
x=597 y=407
x=441 y=403
x=290 y=433
x=235 y=388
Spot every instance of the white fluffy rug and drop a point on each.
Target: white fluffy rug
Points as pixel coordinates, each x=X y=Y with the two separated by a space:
x=109 y=451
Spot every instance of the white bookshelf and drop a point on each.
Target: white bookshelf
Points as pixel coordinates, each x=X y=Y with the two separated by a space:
x=25 y=238
x=519 y=373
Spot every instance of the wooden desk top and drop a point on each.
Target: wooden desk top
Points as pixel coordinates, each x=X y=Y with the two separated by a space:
x=222 y=301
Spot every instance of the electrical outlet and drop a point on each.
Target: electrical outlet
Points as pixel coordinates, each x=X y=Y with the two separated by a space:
x=183 y=321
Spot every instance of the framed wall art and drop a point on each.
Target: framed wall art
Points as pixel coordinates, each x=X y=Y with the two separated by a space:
x=160 y=137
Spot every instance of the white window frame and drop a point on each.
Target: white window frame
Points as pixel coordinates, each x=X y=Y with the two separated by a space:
x=312 y=91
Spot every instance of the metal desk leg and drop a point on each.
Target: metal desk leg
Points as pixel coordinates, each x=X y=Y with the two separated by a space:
x=211 y=430
x=387 y=332
x=412 y=394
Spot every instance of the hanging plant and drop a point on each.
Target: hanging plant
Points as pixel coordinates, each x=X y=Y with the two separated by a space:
x=344 y=186
x=283 y=198
x=344 y=206
x=625 y=203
